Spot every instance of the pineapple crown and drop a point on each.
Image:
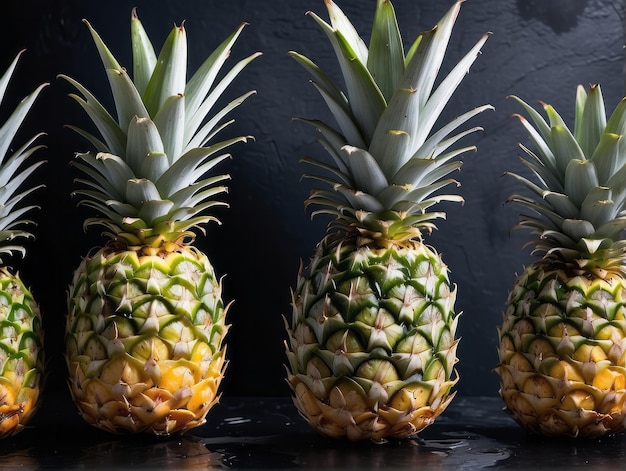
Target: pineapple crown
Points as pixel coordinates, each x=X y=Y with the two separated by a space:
x=12 y=171
x=148 y=177
x=387 y=165
x=578 y=205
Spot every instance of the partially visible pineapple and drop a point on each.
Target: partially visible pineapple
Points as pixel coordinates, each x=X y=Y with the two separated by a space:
x=372 y=339
x=146 y=319
x=21 y=331
x=562 y=345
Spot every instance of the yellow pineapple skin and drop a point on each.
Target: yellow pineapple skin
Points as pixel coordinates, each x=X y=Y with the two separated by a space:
x=144 y=340
x=372 y=341
x=21 y=355
x=562 y=352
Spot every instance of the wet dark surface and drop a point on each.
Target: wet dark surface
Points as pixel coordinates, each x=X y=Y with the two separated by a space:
x=267 y=433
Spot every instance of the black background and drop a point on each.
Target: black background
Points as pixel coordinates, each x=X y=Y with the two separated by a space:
x=540 y=50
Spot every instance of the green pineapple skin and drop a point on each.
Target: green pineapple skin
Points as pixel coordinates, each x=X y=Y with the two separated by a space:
x=144 y=340
x=562 y=352
x=372 y=342
x=21 y=354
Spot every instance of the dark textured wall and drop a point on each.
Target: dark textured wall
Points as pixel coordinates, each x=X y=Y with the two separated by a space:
x=540 y=49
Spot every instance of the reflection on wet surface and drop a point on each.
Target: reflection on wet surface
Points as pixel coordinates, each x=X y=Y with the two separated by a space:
x=267 y=433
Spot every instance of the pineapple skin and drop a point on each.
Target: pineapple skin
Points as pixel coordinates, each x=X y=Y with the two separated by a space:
x=144 y=340
x=562 y=352
x=371 y=345
x=21 y=354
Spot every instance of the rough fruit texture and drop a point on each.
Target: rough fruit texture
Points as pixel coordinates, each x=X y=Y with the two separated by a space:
x=21 y=354
x=563 y=353
x=372 y=341
x=144 y=340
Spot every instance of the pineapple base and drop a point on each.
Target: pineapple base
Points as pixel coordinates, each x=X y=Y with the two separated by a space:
x=372 y=345
x=562 y=353
x=346 y=412
x=21 y=355
x=144 y=340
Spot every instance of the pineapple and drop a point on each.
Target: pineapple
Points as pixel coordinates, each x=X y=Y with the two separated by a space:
x=562 y=346
x=21 y=334
x=146 y=319
x=372 y=339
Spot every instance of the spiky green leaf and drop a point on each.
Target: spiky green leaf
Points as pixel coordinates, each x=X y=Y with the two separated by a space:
x=144 y=57
x=170 y=72
x=593 y=122
x=386 y=52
